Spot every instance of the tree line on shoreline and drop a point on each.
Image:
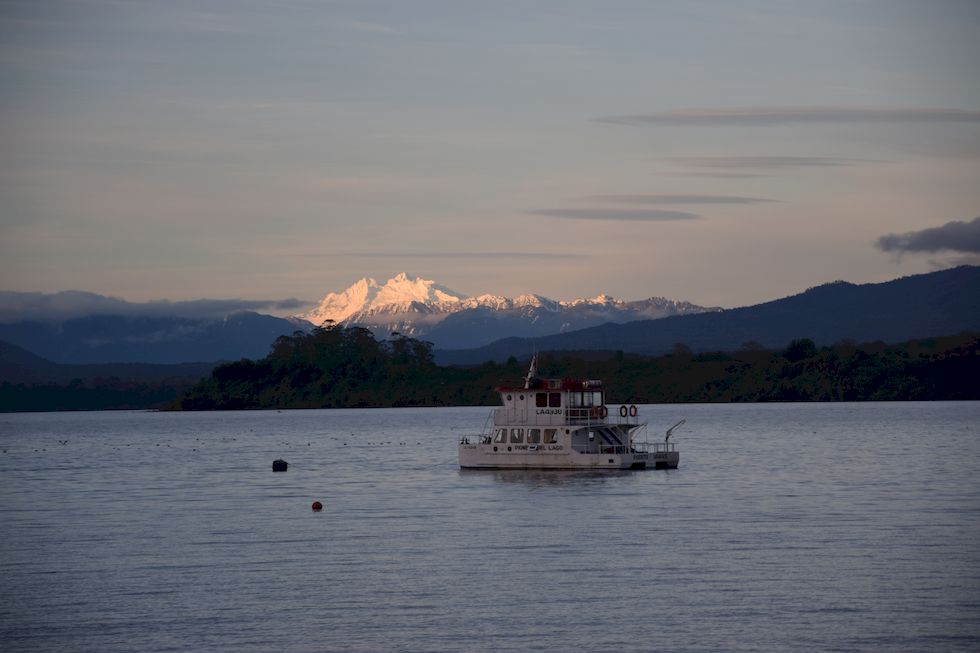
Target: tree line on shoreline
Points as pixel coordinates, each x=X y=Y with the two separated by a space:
x=339 y=367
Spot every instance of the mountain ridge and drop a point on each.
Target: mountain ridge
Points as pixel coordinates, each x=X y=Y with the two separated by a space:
x=937 y=303
x=916 y=306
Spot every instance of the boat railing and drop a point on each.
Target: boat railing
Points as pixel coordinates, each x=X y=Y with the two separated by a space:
x=585 y=415
x=485 y=437
x=663 y=447
x=595 y=447
x=475 y=439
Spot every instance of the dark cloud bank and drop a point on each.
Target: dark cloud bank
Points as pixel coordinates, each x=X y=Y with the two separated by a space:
x=955 y=236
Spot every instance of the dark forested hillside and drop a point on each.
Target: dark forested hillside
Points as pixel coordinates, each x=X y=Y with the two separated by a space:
x=339 y=367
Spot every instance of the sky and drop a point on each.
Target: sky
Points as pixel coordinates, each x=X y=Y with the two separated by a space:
x=723 y=153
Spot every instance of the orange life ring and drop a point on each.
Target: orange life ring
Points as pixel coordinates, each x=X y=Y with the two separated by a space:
x=623 y=411
x=603 y=411
x=633 y=410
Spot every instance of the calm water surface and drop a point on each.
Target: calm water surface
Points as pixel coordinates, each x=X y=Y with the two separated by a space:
x=808 y=527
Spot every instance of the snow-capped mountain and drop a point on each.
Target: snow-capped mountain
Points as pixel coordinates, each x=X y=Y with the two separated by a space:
x=396 y=295
x=422 y=308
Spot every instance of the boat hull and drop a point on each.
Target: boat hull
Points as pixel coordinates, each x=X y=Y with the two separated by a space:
x=482 y=456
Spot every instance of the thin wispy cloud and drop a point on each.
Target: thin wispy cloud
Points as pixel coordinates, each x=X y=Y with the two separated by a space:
x=954 y=261
x=369 y=28
x=716 y=175
x=629 y=215
x=955 y=236
x=449 y=255
x=679 y=199
x=771 y=116
x=762 y=162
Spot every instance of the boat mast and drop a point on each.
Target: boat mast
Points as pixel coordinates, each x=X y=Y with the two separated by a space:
x=531 y=372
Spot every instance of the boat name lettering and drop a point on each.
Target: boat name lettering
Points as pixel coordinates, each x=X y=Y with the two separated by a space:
x=549 y=411
x=539 y=447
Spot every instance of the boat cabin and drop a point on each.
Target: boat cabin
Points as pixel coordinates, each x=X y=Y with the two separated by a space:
x=552 y=402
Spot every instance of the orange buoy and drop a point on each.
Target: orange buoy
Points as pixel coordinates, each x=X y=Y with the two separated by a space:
x=317 y=506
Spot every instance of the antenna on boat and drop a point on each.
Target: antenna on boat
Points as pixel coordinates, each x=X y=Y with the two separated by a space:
x=671 y=429
x=532 y=371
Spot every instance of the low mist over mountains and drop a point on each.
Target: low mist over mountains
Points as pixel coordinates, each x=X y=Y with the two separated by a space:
x=468 y=330
x=147 y=339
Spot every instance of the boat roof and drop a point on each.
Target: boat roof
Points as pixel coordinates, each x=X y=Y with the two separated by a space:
x=566 y=384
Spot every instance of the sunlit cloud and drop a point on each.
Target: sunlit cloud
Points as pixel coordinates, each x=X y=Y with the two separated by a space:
x=768 y=116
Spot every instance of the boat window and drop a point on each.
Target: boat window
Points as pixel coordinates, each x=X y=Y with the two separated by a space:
x=516 y=436
x=501 y=435
x=554 y=400
x=509 y=397
x=551 y=436
x=541 y=400
x=533 y=436
x=574 y=398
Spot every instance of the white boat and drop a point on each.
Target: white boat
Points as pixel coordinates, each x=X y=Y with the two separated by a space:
x=563 y=424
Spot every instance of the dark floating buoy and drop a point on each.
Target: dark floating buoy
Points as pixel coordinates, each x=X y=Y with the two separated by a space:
x=317 y=506
x=279 y=465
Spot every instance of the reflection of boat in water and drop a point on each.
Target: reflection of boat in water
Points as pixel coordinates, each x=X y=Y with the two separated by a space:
x=563 y=424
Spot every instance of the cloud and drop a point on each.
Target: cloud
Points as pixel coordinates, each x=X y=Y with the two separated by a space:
x=36 y=306
x=763 y=162
x=954 y=261
x=369 y=28
x=770 y=116
x=632 y=215
x=953 y=236
x=716 y=175
x=680 y=199
x=449 y=255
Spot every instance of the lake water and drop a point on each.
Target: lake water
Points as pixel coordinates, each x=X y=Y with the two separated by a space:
x=807 y=527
